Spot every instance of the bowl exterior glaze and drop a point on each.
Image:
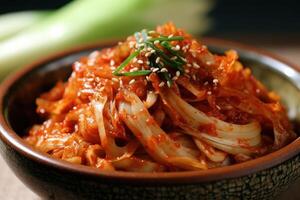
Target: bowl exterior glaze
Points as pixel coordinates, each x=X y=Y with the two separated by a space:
x=65 y=181
x=52 y=183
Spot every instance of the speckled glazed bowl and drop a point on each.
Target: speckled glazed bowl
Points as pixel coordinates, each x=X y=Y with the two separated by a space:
x=262 y=178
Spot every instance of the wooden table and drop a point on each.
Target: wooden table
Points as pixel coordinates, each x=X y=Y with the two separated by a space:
x=12 y=189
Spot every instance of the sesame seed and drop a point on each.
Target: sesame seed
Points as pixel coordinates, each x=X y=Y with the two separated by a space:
x=174 y=58
x=140 y=62
x=156 y=42
x=148 y=54
x=113 y=68
x=120 y=43
x=186 y=70
x=161 y=63
x=132 y=81
x=115 y=79
x=176 y=48
x=97 y=79
x=209 y=92
x=152 y=51
x=164 y=70
x=133 y=69
x=89 y=79
x=149 y=37
x=195 y=65
x=161 y=84
x=157 y=60
x=169 y=84
x=218 y=107
x=257 y=90
x=151 y=32
x=131 y=44
x=215 y=81
x=189 y=65
x=206 y=83
x=194 y=77
x=170 y=36
x=140 y=40
x=194 y=55
x=185 y=48
x=134 y=59
x=174 y=78
x=112 y=62
x=155 y=69
x=209 y=62
x=148 y=63
x=147 y=78
x=177 y=73
x=121 y=82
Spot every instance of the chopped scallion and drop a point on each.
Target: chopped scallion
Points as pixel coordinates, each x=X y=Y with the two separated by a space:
x=174 y=38
x=135 y=73
x=126 y=61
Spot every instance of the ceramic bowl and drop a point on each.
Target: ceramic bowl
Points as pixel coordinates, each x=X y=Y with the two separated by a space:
x=261 y=178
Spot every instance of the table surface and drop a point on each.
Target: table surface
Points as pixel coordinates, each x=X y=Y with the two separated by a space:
x=11 y=188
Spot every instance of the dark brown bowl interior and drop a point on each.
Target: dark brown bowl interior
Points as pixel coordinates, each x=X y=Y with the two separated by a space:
x=19 y=91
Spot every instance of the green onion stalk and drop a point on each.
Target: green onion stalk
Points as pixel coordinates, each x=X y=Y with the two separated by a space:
x=13 y=23
x=41 y=33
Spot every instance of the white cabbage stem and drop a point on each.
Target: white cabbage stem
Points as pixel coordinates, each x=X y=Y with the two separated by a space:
x=212 y=154
x=112 y=151
x=230 y=135
x=157 y=143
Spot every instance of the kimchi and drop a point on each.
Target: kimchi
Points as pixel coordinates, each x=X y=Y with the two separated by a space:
x=159 y=101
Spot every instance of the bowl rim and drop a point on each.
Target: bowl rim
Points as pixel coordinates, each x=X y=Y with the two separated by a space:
x=10 y=138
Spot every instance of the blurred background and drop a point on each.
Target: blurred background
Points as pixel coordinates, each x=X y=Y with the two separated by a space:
x=270 y=24
x=229 y=16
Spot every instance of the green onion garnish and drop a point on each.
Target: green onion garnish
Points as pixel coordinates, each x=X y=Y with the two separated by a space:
x=135 y=73
x=174 y=38
x=165 y=59
x=176 y=64
x=168 y=46
x=126 y=61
